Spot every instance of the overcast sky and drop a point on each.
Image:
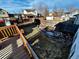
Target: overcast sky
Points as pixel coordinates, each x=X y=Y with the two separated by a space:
x=13 y=6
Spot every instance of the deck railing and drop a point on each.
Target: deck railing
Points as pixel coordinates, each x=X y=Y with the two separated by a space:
x=7 y=31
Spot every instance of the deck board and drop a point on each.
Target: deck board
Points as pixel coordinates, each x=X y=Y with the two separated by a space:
x=13 y=49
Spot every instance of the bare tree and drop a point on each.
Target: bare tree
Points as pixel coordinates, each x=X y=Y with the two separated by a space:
x=41 y=8
x=55 y=8
x=71 y=8
x=58 y=11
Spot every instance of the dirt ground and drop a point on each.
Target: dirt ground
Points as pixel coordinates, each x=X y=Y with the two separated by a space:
x=50 y=49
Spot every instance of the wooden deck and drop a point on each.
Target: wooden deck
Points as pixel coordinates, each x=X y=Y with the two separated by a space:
x=13 y=49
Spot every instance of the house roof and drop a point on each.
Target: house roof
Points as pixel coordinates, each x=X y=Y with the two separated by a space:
x=29 y=10
x=67 y=12
x=3 y=10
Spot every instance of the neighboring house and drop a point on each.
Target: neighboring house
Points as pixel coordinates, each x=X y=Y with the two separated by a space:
x=66 y=16
x=71 y=14
x=50 y=16
x=29 y=15
x=75 y=12
x=3 y=13
x=30 y=12
x=4 y=18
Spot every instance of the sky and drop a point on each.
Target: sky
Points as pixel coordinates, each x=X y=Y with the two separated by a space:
x=15 y=6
